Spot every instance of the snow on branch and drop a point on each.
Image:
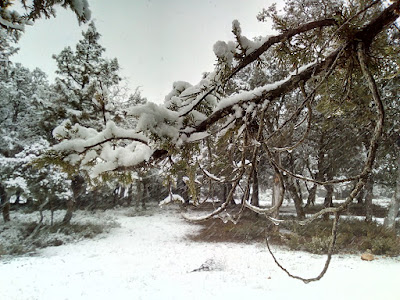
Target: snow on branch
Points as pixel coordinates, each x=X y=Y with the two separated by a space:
x=171 y=198
x=99 y=152
x=12 y=20
x=86 y=138
x=12 y=25
x=190 y=112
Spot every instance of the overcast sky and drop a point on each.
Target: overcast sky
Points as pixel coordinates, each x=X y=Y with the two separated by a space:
x=156 y=42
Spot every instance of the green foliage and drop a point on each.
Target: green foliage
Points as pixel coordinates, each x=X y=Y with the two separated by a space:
x=354 y=236
x=85 y=78
x=21 y=237
x=52 y=157
x=191 y=182
x=318 y=245
x=385 y=245
x=249 y=229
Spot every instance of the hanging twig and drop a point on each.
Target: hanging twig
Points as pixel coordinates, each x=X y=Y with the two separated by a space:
x=328 y=259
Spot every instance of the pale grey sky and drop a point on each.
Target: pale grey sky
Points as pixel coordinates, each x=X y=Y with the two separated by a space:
x=156 y=42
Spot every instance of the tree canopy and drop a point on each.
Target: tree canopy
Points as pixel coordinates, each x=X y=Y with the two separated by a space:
x=349 y=42
x=15 y=20
x=314 y=105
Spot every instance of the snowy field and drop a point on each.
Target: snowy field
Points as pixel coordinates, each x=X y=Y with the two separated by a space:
x=149 y=257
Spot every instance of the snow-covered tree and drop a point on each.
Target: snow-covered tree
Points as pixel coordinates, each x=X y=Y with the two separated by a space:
x=24 y=97
x=7 y=49
x=15 y=22
x=191 y=113
x=84 y=82
x=332 y=57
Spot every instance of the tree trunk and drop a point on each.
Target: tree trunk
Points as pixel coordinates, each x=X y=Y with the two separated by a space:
x=226 y=189
x=320 y=172
x=6 y=210
x=292 y=185
x=129 y=196
x=255 y=199
x=17 y=196
x=277 y=188
x=145 y=193
x=69 y=212
x=369 y=185
x=182 y=188
x=276 y=193
x=298 y=202
x=77 y=186
x=329 y=194
x=390 y=220
x=5 y=203
x=116 y=194
x=122 y=194
x=360 y=197
x=311 y=196
x=139 y=193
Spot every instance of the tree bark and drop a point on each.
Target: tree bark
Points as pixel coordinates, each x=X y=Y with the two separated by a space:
x=146 y=194
x=226 y=189
x=77 y=186
x=6 y=210
x=5 y=204
x=277 y=189
x=298 y=202
x=360 y=197
x=328 y=201
x=182 y=188
x=255 y=199
x=311 y=195
x=69 y=212
x=139 y=193
x=129 y=195
x=369 y=185
x=390 y=220
x=320 y=172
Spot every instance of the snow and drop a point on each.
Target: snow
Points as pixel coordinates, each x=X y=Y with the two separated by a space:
x=213 y=177
x=197 y=136
x=9 y=24
x=149 y=257
x=172 y=198
x=224 y=51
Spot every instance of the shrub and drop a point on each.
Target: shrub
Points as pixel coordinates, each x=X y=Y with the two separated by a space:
x=19 y=237
x=353 y=235
x=385 y=245
x=318 y=245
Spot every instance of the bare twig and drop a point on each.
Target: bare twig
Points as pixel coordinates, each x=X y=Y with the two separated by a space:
x=328 y=259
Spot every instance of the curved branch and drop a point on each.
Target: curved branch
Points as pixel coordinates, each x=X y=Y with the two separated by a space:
x=302 y=139
x=228 y=199
x=87 y=148
x=373 y=28
x=374 y=142
x=269 y=91
x=328 y=259
x=319 y=182
x=253 y=56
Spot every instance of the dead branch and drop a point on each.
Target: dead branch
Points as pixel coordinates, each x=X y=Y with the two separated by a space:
x=328 y=259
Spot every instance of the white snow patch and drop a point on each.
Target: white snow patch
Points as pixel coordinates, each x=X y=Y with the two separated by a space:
x=148 y=257
x=172 y=198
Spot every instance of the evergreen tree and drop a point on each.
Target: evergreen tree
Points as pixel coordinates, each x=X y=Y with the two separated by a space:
x=15 y=23
x=327 y=88
x=85 y=80
x=24 y=97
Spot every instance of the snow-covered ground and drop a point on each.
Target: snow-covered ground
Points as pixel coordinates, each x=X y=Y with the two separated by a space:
x=149 y=257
